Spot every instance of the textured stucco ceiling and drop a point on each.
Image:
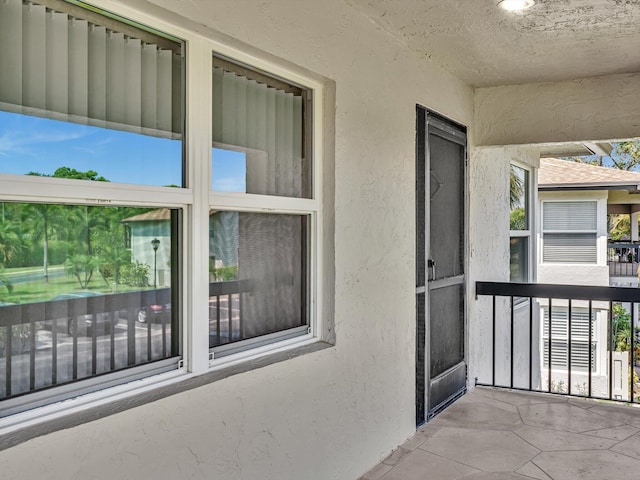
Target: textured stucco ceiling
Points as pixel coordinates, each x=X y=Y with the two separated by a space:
x=487 y=46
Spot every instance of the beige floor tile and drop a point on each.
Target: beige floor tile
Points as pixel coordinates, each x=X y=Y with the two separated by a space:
x=518 y=398
x=630 y=447
x=533 y=471
x=414 y=442
x=614 y=433
x=477 y=415
x=472 y=397
x=551 y=440
x=496 y=476
x=490 y=451
x=396 y=456
x=377 y=472
x=564 y=416
x=621 y=413
x=421 y=465
x=587 y=465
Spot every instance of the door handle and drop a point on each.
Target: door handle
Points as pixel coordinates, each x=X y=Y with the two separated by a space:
x=431 y=264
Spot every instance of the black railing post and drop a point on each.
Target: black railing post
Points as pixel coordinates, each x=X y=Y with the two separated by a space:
x=54 y=352
x=530 y=343
x=512 y=342
x=493 y=342
x=218 y=318
x=32 y=353
x=8 y=352
x=590 y=345
x=632 y=334
x=230 y=316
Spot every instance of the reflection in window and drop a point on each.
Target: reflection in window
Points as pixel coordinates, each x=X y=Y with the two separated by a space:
x=264 y=118
x=75 y=300
x=230 y=170
x=519 y=224
x=519 y=254
x=518 y=198
x=257 y=269
x=88 y=97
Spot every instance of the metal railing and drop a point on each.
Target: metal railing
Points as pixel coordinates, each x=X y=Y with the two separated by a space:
x=563 y=339
x=622 y=259
x=225 y=311
x=44 y=344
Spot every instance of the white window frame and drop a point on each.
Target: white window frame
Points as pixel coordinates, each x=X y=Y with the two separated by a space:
x=194 y=200
x=530 y=215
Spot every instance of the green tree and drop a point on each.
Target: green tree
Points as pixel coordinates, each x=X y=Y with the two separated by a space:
x=624 y=156
x=81 y=267
x=621 y=328
x=619 y=227
x=516 y=188
x=10 y=243
x=111 y=252
x=38 y=219
x=66 y=172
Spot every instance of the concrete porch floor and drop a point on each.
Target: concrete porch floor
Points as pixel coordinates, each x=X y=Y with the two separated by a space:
x=503 y=435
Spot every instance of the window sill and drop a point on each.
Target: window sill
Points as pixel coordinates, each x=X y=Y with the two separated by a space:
x=25 y=426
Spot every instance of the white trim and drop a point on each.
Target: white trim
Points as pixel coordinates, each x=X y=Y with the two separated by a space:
x=531 y=219
x=194 y=201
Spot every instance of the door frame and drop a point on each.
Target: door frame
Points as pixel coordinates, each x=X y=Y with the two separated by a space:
x=457 y=133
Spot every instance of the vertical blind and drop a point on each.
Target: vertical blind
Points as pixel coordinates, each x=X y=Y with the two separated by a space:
x=58 y=65
x=255 y=112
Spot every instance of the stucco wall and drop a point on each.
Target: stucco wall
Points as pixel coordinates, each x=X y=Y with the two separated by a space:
x=334 y=413
x=600 y=108
x=489 y=251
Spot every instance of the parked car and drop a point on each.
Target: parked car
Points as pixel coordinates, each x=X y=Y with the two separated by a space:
x=155 y=313
x=102 y=322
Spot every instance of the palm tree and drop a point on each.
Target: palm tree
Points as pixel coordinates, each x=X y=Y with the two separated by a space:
x=10 y=243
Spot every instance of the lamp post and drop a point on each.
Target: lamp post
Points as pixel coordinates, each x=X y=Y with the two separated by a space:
x=155 y=243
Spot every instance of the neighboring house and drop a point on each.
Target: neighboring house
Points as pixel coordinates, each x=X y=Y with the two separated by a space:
x=143 y=230
x=574 y=202
x=156 y=224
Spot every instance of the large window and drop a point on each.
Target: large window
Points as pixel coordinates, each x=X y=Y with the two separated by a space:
x=258 y=261
x=123 y=253
x=519 y=224
x=88 y=274
x=569 y=232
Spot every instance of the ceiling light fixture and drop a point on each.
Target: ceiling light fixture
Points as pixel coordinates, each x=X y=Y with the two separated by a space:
x=516 y=5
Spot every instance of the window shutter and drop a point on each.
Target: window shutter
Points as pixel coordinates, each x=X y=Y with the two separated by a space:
x=564 y=236
x=560 y=338
x=570 y=216
x=570 y=248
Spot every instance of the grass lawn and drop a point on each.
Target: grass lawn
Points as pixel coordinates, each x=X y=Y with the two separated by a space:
x=39 y=290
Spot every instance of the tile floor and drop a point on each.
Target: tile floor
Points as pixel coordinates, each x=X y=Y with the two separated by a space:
x=503 y=435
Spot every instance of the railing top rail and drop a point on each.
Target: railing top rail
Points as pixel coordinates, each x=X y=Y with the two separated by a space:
x=548 y=290
x=623 y=245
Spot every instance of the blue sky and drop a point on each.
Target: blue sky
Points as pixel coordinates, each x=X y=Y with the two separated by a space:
x=42 y=145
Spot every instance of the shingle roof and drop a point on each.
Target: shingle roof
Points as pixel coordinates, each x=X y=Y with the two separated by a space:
x=556 y=173
x=156 y=215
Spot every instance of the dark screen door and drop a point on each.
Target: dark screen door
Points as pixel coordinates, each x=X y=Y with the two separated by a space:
x=440 y=269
